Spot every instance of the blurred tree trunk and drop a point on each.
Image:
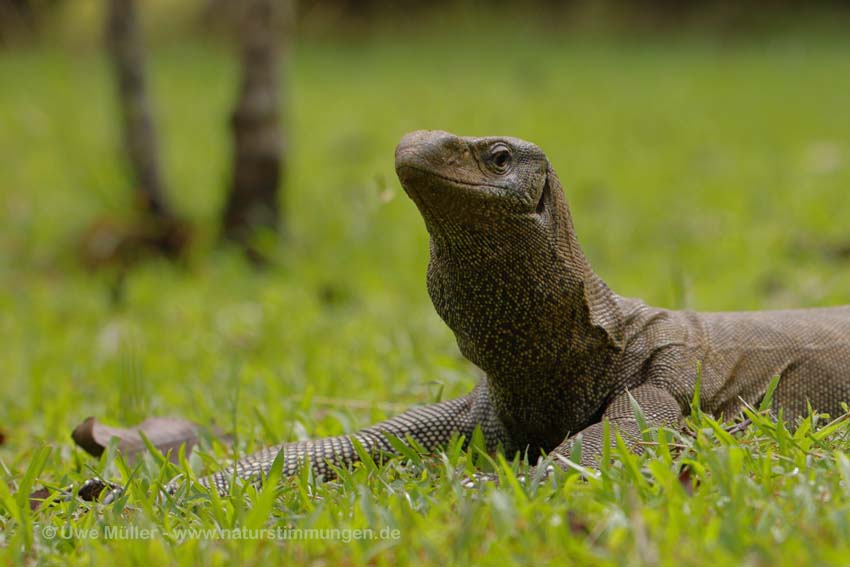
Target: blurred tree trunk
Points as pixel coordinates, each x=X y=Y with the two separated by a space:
x=22 y=19
x=253 y=204
x=139 y=132
x=158 y=230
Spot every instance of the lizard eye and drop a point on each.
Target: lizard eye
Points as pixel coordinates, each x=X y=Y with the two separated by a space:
x=500 y=158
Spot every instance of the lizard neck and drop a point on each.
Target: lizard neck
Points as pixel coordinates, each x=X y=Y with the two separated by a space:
x=519 y=293
x=519 y=314
x=527 y=309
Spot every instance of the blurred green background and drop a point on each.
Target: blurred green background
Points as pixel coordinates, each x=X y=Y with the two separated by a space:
x=705 y=153
x=706 y=168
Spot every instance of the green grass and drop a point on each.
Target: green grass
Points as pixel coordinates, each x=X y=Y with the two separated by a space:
x=702 y=174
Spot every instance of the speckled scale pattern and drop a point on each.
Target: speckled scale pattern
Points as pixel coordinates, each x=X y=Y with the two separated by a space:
x=431 y=426
x=560 y=350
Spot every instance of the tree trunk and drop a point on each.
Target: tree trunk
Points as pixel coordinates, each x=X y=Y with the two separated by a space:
x=158 y=230
x=153 y=229
x=139 y=131
x=252 y=205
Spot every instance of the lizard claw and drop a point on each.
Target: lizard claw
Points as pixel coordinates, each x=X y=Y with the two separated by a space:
x=478 y=480
x=538 y=473
x=91 y=490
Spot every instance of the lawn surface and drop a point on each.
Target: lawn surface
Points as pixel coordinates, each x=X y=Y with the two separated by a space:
x=707 y=174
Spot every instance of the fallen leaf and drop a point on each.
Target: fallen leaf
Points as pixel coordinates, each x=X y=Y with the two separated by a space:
x=165 y=433
x=577 y=524
x=687 y=480
x=38 y=497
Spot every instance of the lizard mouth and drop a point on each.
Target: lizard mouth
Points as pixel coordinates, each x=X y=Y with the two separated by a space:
x=408 y=172
x=422 y=186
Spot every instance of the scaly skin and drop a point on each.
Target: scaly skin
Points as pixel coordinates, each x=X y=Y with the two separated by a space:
x=560 y=350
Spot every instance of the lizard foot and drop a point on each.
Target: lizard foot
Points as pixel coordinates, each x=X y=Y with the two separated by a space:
x=91 y=490
x=478 y=480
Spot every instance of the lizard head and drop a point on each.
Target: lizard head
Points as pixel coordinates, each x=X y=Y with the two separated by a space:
x=467 y=181
x=506 y=272
x=488 y=202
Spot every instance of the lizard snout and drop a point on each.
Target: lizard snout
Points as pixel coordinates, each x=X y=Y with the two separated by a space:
x=432 y=151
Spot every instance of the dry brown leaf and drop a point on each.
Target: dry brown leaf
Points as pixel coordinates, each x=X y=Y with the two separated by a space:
x=165 y=433
x=688 y=481
x=38 y=497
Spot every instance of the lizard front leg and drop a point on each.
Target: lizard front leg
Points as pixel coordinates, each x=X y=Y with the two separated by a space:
x=659 y=407
x=430 y=426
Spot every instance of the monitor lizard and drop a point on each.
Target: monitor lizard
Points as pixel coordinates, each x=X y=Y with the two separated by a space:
x=561 y=352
